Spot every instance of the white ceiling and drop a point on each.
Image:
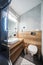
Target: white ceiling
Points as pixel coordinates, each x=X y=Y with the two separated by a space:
x=22 y=6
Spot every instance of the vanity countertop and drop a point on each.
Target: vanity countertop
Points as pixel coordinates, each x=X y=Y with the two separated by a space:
x=14 y=44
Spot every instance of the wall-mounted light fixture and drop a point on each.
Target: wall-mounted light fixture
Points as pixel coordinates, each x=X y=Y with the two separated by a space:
x=12 y=17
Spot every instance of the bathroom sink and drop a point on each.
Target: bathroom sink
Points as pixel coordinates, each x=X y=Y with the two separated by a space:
x=12 y=40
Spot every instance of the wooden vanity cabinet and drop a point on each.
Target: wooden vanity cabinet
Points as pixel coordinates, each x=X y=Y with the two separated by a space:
x=15 y=50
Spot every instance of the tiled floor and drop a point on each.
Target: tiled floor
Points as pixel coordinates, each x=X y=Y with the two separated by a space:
x=34 y=59
x=23 y=61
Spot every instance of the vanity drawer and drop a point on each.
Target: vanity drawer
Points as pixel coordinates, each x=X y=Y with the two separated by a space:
x=13 y=50
x=15 y=55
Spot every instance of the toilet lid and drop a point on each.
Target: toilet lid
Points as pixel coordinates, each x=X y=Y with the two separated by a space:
x=32 y=48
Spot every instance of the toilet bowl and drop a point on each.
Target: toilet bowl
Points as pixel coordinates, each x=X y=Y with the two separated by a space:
x=32 y=49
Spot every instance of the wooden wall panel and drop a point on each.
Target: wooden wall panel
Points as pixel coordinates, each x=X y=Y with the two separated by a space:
x=31 y=39
x=27 y=35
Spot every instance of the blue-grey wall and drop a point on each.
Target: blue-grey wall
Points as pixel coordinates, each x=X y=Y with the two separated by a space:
x=31 y=19
x=42 y=24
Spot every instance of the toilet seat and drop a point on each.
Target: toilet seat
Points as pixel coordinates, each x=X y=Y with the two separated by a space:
x=32 y=49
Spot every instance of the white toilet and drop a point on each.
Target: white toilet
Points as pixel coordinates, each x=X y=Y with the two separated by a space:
x=32 y=49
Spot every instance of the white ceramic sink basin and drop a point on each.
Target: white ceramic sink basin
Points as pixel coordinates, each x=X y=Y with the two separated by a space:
x=12 y=40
